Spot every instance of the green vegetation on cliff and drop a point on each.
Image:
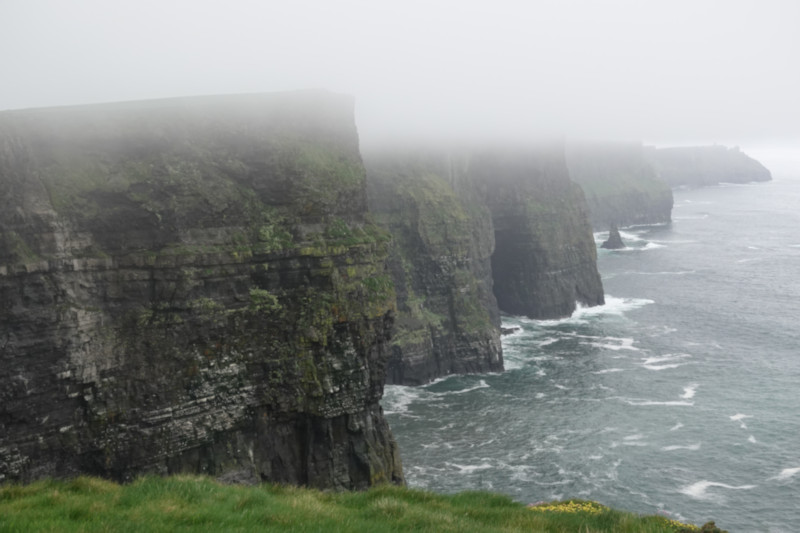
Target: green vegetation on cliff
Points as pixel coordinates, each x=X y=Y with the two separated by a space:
x=199 y=504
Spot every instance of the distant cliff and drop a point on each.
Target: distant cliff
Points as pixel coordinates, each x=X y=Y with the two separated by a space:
x=620 y=185
x=696 y=166
x=192 y=285
x=474 y=230
x=447 y=321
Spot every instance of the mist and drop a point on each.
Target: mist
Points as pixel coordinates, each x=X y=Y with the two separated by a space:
x=666 y=72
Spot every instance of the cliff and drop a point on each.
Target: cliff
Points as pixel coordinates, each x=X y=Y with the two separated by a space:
x=477 y=231
x=620 y=185
x=697 y=166
x=545 y=260
x=192 y=285
x=447 y=321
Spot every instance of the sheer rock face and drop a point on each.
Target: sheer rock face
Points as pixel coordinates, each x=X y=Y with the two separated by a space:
x=696 y=166
x=448 y=321
x=545 y=259
x=191 y=285
x=474 y=228
x=620 y=185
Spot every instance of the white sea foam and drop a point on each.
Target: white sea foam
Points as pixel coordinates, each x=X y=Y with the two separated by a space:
x=699 y=490
x=692 y=447
x=786 y=473
x=468 y=469
x=398 y=398
x=676 y=427
x=609 y=371
x=739 y=418
x=751 y=439
x=613 y=306
x=670 y=361
x=674 y=403
x=547 y=341
x=481 y=385
x=689 y=391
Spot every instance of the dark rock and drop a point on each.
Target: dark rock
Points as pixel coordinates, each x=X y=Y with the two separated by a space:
x=614 y=241
x=509 y=331
x=192 y=285
x=447 y=321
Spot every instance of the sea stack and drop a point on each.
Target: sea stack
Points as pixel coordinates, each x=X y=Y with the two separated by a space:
x=614 y=241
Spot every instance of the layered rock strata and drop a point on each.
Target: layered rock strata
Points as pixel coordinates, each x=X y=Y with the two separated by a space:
x=448 y=321
x=192 y=285
x=620 y=185
x=477 y=231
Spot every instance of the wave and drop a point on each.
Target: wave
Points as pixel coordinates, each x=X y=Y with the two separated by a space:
x=672 y=403
x=676 y=427
x=689 y=391
x=739 y=418
x=692 y=447
x=481 y=385
x=786 y=473
x=613 y=307
x=699 y=490
x=468 y=469
x=398 y=398
x=671 y=360
x=609 y=371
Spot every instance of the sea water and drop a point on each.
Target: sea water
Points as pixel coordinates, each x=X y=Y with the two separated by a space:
x=679 y=396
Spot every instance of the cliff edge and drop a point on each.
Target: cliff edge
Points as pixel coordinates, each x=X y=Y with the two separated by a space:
x=192 y=285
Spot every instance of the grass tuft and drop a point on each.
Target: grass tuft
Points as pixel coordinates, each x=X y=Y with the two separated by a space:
x=194 y=503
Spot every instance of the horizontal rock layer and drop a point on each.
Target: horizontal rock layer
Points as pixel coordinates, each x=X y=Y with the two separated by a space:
x=191 y=285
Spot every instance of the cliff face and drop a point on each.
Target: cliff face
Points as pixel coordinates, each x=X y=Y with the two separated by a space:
x=474 y=229
x=447 y=321
x=621 y=187
x=191 y=285
x=697 y=166
x=545 y=258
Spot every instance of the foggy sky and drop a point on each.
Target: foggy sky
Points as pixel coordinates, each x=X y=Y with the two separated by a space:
x=665 y=72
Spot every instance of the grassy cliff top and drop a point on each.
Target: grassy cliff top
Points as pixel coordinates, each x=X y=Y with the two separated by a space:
x=187 y=503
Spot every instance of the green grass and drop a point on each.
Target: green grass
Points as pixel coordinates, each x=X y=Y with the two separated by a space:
x=187 y=503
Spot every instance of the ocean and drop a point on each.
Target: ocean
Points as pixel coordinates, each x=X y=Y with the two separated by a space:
x=679 y=397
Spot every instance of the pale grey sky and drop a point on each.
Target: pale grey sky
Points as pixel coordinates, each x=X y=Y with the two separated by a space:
x=674 y=71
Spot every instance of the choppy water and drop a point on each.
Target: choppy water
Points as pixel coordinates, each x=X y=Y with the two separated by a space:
x=681 y=395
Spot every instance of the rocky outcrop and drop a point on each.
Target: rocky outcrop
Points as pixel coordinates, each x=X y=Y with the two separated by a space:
x=697 y=166
x=475 y=229
x=614 y=241
x=192 y=285
x=620 y=185
x=545 y=256
x=447 y=321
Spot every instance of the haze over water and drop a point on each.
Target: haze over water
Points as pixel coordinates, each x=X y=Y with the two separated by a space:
x=678 y=396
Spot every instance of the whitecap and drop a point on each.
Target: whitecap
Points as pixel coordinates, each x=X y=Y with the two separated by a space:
x=652 y=402
x=398 y=398
x=613 y=306
x=637 y=436
x=692 y=447
x=676 y=427
x=751 y=439
x=609 y=371
x=540 y=395
x=663 y=367
x=547 y=341
x=689 y=391
x=786 y=473
x=739 y=418
x=481 y=385
x=468 y=469
x=699 y=490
